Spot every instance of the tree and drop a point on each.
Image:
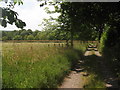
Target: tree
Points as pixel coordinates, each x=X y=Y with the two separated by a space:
x=76 y=17
x=10 y=16
x=36 y=37
x=29 y=31
x=30 y=37
x=15 y=33
x=25 y=37
x=24 y=33
x=4 y=38
x=51 y=29
x=35 y=33
x=17 y=37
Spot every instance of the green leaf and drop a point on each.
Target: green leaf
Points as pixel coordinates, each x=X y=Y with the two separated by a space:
x=4 y=23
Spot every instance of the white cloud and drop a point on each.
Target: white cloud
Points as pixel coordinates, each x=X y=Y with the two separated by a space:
x=31 y=13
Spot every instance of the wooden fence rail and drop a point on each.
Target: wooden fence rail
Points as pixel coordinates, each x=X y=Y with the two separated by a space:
x=55 y=43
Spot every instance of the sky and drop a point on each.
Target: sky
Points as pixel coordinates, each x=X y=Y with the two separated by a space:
x=31 y=13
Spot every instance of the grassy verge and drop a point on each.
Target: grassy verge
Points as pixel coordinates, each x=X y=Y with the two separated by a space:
x=33 y=65
x=80 y=46
x=93 y=81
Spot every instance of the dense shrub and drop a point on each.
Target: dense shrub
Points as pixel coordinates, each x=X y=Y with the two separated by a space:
x=110 y=47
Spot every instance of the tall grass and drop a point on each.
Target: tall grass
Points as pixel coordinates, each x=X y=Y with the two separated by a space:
x=35 y=65
x=93 y=81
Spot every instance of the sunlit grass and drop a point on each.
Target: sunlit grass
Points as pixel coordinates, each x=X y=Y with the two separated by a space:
x=35 y=65
x=93 y=81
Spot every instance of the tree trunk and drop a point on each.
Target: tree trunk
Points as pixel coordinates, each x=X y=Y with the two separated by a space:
x=99 y=37
x=72 y=38
x=100 y=32
x=67 y=43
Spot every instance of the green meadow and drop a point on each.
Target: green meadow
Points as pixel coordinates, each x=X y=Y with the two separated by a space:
x=37 y=65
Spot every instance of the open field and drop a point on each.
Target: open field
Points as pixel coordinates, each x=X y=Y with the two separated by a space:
x=35 y=65
x=45 y=65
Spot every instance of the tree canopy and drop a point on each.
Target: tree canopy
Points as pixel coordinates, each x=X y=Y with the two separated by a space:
x=9 y=16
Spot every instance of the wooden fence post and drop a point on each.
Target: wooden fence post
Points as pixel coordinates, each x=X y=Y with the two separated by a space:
x=48 y=45
x=62 y=45
x=59 y=44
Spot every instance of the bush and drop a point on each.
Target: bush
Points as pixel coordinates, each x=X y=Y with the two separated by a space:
x=17 y=37
x=4 y=38
x=104 y=38
x=110 y=47
x=30 y=37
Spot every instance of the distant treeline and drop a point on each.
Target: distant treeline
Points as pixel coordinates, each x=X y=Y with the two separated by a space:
x=28 y=35
x=34 y=35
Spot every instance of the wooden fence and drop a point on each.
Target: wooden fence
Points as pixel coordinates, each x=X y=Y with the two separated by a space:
x=55 y=43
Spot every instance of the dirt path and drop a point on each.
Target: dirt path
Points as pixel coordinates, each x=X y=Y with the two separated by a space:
x=75 y=78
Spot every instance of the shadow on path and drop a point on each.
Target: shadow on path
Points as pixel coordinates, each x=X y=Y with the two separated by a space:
x=93 y=62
